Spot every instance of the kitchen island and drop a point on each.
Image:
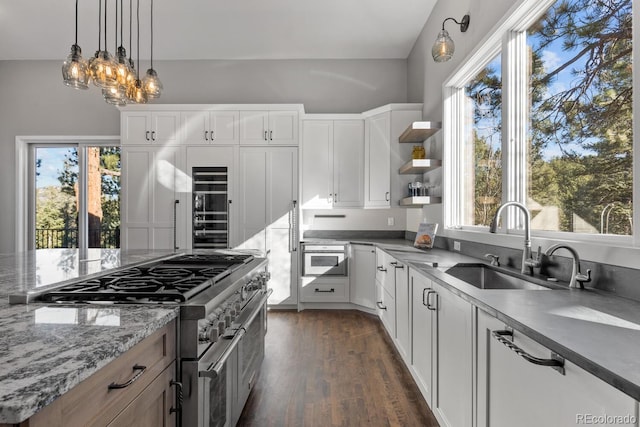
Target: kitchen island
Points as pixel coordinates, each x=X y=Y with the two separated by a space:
x=46 y=349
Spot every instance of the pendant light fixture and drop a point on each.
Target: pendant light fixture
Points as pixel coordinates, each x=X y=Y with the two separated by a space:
x=151 y=82
x=136 y=92
x=75 y=71
x=115 y=94
x=103 y=68
x=116 y=75
x=443 y=48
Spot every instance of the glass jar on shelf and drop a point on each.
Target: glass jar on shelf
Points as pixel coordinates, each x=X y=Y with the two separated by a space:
x=418 y=152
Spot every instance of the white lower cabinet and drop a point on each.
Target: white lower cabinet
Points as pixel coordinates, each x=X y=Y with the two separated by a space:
x=386 y=308
x=424 y=321
x=403 y=310
x=324 y=289
x=513 y=391
x=362 y=275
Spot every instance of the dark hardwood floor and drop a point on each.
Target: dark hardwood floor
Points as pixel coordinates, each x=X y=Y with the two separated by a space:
x=332 y=368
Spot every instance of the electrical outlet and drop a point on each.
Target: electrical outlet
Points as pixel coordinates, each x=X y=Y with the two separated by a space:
x=456 y=245
x=391 y=221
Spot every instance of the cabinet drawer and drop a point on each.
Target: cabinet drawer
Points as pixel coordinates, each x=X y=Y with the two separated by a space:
x=92 y=402
x=324 y=290
x=386 y=306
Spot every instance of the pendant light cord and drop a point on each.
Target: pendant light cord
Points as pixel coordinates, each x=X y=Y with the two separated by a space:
x=76 y=22
x=130 y=30
x=121 y=22
x=152 y=34
x=138 y=31
x=100 y=25
x=115 y=48
x=105 y=25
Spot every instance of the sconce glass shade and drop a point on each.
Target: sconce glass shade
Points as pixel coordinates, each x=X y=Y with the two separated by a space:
x=103 y=70
x=152 y=84
x=114 y=95
x=75 y=72
x=136 y=93
x=443 y=48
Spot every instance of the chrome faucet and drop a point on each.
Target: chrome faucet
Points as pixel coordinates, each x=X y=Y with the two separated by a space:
x=577 y=278
x=528 y=262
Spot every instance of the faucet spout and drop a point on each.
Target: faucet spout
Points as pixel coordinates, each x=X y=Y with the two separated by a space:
x=528 y=262
x=577 y=278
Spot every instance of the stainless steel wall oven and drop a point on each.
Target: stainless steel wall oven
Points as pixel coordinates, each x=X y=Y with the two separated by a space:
x=324 y=259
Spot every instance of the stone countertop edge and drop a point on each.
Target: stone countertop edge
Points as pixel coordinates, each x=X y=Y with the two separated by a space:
x=45 y=371
x=530 y=317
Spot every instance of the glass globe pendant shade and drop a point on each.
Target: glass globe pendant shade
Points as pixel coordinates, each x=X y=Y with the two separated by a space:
x=136 y=93
x=123 y=71
x=443 y=48
x=103 y=70
x=115 y=95
x=152 y=84
x=75 y=72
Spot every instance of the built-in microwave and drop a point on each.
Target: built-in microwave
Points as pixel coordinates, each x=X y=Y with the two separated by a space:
x=324 y=260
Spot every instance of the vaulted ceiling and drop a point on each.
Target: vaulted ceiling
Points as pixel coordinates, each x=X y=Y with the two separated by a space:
x=220 y=29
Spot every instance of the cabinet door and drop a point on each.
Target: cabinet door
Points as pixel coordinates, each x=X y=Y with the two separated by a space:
x=348 y=163
x=317 y=152
x=135 y=127
x=362 y=275
x=512 y=391
x=282 y=179
x=377 y=162
x=152 y=180
x=422 y=333
x=403 y=312
x=283 y=128
x=283 y=263
x=165 y=127
x=254 y=127
x=152 y=407
x=194 y=125
x=223 y=127
x=452 y=400
x=253 y=196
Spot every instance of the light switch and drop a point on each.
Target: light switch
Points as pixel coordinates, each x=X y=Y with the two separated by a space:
x=391 y=221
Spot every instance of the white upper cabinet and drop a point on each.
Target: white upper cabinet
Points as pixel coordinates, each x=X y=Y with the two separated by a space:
x=145 y=127
x=210 y=127
x=332 y=163
x=269 y=127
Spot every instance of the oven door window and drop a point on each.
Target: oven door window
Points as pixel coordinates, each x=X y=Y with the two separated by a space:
x=217 y=397
x=325 y=261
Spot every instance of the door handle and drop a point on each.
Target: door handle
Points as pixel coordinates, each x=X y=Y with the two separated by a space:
x=146 y=136
x=265 y=135
x=429 y=305
x=206 y=135
x=271 y=135
x=380 y=306
x=153 y=135
x=381 y=268
x=212 y=135
x=386 y=196
x=175 y=224
x=424 y=297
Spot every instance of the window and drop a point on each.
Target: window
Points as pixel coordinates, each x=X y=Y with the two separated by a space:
x=548 y=122
x=68 y=192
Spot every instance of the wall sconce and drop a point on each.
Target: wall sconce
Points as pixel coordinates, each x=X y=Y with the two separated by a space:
x=443 y=48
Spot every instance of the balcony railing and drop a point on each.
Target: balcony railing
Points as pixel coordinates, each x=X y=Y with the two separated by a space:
x=49 y=238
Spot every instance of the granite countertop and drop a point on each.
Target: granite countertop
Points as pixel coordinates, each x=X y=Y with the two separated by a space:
x=48 y=349
x=597 y=331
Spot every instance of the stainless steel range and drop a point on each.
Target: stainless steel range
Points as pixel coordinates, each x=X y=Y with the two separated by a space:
x=222 y=297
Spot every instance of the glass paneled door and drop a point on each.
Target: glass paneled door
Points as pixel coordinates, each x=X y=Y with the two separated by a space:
x=76 y=195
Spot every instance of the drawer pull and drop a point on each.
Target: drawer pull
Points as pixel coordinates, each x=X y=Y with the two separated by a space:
x=329 y=291
x=556 y=362
x=381 y=268
x=178 y=386
x=380 y=306
x=139 y=368
x=429 y=305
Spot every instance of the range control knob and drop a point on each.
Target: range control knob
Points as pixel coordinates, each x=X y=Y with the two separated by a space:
x=237 y=307
x=213 y=334
x=203 y=335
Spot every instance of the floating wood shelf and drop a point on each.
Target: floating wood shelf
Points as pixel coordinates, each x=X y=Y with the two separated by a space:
x=420 y=200
x=416 y=166
x=419 y=131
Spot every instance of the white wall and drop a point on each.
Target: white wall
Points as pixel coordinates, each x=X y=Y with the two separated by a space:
x=426 y=77
x=33 y=100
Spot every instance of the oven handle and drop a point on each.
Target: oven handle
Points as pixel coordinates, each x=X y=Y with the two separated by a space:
x=217 y=368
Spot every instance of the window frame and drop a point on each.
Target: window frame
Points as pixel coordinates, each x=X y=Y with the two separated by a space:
x=25 y=183
x=508 y=37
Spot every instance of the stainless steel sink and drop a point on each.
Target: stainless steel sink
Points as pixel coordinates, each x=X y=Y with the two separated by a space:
x=484 y=276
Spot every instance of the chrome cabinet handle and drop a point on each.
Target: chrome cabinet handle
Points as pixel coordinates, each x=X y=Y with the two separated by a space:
x=429 y=305
x=295 y=226
x=146 y=136
x=141 y=369
x=175 y=224
x=380 y=306
x=330 y=291
x=153 y=135
x=556 y=362
x=386 y=196
x=180 y=399
x=206 y=135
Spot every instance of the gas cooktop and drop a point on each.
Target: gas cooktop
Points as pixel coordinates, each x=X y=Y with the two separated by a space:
x=169 y=281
